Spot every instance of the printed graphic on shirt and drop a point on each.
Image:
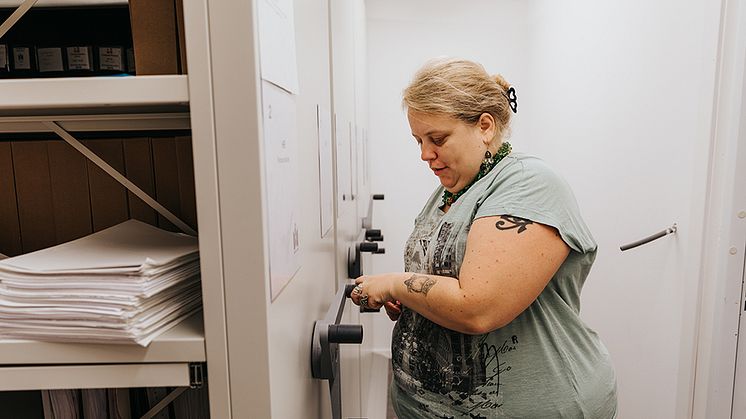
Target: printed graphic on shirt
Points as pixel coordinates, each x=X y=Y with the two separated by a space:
x=415 y=254
x=444 y=257
x=467 y=371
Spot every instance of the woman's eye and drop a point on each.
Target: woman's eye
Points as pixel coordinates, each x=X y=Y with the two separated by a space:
x=439 y=140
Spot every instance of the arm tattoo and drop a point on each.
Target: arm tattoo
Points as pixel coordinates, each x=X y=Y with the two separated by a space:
x=420 y=283
x=513 y=222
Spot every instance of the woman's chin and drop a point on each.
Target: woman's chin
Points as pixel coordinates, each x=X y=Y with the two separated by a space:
x=449 y=186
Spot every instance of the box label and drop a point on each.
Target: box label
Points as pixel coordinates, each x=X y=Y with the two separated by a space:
x=130 y=60
x=79 y=58
x=21 y=58
x=50 y=59
x=110 y=59
x=3 y=57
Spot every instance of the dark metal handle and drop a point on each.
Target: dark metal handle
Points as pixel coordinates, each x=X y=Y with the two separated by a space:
x=345 y=333
x=368 y=247
x=373 y=235
x=378 y=197
x=328 y=334
x=348 y=290
x=646 y=240
x=372 y=232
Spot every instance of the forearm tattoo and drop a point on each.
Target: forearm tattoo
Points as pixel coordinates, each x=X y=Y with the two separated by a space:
x=508 y=222
x=420 y=283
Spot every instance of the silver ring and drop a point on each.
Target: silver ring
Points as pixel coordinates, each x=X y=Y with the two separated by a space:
x=364 y=301
x=358 y=289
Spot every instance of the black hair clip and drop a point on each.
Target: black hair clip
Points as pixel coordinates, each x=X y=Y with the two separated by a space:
x=512 y=99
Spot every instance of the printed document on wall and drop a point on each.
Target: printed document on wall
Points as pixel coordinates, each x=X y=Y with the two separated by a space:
x=281 y=166
x=277 y=44
x=326 y=180
x=344 y=165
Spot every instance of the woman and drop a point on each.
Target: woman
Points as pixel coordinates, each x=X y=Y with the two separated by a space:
x=488 y=308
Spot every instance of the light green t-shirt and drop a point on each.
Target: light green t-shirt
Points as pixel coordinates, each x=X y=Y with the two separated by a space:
x=546 y=363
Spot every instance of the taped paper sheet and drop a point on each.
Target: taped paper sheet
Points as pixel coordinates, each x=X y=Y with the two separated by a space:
x=326 y=180
x=281 y=165
x=277 y=44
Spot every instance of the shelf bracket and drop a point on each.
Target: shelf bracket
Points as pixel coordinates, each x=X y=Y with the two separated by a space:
x=164 y=403
x=106 y=167
x=196 y=380
x=17 y=14
x=196 y=374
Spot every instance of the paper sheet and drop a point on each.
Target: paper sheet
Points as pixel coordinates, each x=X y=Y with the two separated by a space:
x=126 y=284
x=277 y=44
x=344 y=165
x=326 y=185
x=126 y=245
x=281 y=165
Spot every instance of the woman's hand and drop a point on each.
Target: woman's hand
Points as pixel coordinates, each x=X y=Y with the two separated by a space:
x=393 y=309
x=374 y=291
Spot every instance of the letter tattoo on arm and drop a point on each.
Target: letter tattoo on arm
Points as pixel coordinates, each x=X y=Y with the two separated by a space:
x=420 y=283
x=513 y=222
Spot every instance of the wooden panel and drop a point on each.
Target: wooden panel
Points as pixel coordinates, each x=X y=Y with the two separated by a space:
x=155 y=395
x=108 y=197
x=119 y=403
x=21 y=404
x=95 y=403
x=138 y=160
x=154 y=36
x=61 y=404
x=193 y=404
x=70 y=194
x=10 y=229
x=186 y=181
x=34 y=190
x=166 y=179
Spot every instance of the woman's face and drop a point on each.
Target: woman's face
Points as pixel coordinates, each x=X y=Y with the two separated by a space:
x=453 y=149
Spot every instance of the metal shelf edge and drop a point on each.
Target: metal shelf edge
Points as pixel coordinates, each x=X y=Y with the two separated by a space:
x=183 y=343
x=101 y=93
x=94 y=376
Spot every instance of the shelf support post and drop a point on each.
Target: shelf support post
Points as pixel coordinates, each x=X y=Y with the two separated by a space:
x=165 y=402
x=17 y=14
x=98 y=161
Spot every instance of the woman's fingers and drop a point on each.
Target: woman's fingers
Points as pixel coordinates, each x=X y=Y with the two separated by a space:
x=393 y=309
x=356 y=293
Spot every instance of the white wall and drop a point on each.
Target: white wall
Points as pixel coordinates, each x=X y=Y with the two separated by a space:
x=617 y=96
x=401 y=36
x=621 y=94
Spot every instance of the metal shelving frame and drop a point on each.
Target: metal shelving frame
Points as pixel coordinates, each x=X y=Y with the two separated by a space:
x=100 y=104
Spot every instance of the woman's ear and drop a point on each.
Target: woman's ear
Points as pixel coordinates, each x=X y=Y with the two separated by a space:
x=487 y=127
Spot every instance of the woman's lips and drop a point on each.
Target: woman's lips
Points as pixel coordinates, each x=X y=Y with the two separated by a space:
x=438 y=170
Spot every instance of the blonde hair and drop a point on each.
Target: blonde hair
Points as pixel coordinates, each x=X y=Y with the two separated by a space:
x=460 y=89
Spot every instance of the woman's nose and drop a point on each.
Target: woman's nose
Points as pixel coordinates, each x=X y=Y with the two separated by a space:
x=427 y=153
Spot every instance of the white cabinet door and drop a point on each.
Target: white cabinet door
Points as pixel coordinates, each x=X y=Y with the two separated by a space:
x=739 y=388
x=343 y=32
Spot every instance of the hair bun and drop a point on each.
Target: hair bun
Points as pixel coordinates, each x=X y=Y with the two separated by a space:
x=501 y=81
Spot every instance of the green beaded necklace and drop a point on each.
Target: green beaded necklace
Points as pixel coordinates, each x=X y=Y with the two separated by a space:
x=489 y=162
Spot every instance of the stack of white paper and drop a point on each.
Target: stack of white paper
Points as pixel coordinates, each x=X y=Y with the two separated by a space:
x=128 y=283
